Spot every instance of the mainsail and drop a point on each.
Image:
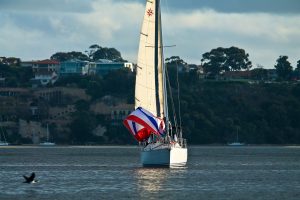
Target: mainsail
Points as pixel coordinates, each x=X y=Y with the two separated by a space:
x=149 y=77
x=141 y=124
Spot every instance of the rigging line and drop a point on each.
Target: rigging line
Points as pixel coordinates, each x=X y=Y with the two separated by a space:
x=178 y=98
x=172 y=101
x=167 y=15
x=166 y=4
x=167 y=7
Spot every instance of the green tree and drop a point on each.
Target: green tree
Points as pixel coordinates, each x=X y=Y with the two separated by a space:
x=92 y=49
x=283 y=68
x=11 y=61
x=212 y=61
x=16 y=76
x=119 y=83
x=97 y=52
x=298 y=65
x=225 y=59
x=237 y=59
x=82 y=125
x=175 y=60
x=259 y=73
x=62 y=56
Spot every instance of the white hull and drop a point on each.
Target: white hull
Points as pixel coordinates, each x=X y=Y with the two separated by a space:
x=164 y=155
x=47 y=144
x=236 y=144
x=3 y=143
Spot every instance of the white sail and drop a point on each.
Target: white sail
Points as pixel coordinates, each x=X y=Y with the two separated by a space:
x=145 y=88
x=47 y=142
x=2 y=137
x=151 y=93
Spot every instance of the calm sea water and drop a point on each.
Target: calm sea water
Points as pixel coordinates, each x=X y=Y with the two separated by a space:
x=115 y=173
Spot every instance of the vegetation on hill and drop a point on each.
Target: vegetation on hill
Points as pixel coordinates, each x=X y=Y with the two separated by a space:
x=212 y=111
x=94 y=53
x=16 y=76
x=262 y=113
x=225 y=59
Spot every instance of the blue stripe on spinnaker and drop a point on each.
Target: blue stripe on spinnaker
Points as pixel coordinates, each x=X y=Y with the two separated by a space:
x=134 y=128
x=150 y=118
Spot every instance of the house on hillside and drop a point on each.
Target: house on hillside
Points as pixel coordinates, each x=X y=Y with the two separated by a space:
x=234 y=75
x=116 y=113
x=296 y=75
x=2 y=81
x=44 y=77
x=27 y=64
x=50 y=65
x=103 y=66
x=13 y=92
x=45 y=72
x=121 y=111
x=72 y=67
x=272 y=74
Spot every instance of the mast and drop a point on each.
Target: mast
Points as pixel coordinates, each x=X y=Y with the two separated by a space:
x=160 y=71
x=47 y=133
x=156 y=46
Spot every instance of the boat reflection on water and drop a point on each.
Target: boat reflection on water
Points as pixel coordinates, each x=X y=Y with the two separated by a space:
x=154 y=180
x=150 y=179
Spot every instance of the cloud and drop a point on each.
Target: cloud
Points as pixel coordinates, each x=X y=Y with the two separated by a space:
x=106 y=24
x=259 y=34
x=272 y=27
x=46 y=6
x=33 y=31
x=240 y=6
x=232 y=6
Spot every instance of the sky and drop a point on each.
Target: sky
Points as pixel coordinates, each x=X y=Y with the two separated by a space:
x=265 y=29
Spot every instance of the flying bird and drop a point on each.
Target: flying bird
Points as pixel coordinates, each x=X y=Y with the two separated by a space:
x=30 y=179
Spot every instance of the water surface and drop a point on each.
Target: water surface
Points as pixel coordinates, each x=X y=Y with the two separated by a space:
x=115 y=173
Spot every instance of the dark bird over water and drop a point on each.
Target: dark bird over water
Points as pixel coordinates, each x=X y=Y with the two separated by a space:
x=30 y=179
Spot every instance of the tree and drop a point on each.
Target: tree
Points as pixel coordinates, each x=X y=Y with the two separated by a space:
x=225 y=59
x=259 y=73
x=298 y=65
x=64 y=56
x=92 y=49
x=212 y=61
x=237 y=59
x=97 y=52
x=11 y=61
x=109 y=54
x=175 y=60
x=283 y=68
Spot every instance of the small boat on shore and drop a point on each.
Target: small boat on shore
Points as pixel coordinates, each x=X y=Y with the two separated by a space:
x=47 y=142
x=3 y=141
x=236 y=142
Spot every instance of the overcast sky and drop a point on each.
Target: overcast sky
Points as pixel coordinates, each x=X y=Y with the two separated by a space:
x=266 y=29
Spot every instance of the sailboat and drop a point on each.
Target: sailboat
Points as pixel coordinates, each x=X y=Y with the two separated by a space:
x=47 y=142
x=236 y=143
x=3 y=141
x=161 y=143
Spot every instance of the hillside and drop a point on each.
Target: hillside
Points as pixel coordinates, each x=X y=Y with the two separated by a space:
x=90 y=109
x=262 y=113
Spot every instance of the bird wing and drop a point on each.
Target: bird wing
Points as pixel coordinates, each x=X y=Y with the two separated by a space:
x=26 y=178
x=31 y=178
